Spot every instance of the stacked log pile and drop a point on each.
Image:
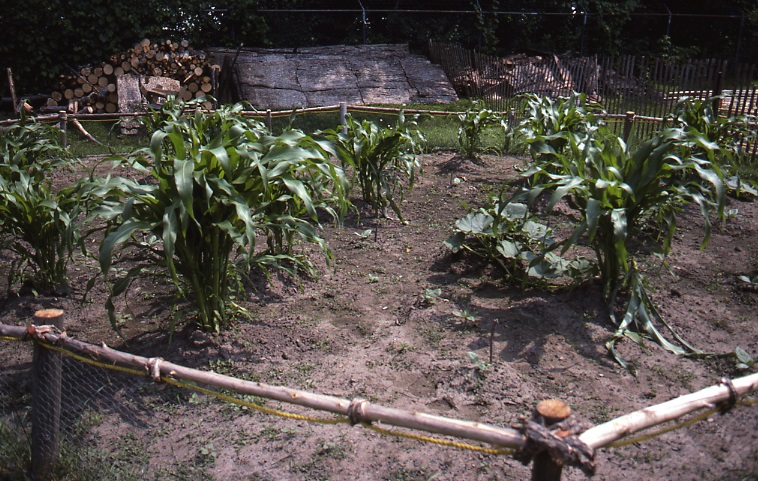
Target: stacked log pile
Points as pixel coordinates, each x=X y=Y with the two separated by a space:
x=97 y=87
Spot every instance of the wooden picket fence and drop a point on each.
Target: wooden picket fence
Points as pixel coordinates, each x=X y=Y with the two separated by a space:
x=650 y=87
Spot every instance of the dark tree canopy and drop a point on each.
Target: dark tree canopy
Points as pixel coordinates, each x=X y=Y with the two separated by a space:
x=42 y=39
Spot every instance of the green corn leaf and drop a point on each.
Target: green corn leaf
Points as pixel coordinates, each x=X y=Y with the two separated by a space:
x=125 y=231
x=184 y=179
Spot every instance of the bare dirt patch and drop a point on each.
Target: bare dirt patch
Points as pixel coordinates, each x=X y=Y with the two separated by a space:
x=379 y=324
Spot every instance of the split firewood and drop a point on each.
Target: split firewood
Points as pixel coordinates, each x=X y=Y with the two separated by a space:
x=169 y=59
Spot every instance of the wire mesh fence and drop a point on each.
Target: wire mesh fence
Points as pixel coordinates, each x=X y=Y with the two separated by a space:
x=101 y=416
x=116 y=421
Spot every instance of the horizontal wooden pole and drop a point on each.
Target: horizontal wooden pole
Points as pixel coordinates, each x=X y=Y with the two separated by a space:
x=482 y=432
x=604 y=434
x=596 y=437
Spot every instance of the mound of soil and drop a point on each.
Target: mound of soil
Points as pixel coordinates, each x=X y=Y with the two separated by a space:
x=393 y=320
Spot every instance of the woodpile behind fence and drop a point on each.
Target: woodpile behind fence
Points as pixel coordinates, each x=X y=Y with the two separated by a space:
x=96 y=87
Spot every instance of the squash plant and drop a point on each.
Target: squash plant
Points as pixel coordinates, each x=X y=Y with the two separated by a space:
x=508 y=235
x=218 y=182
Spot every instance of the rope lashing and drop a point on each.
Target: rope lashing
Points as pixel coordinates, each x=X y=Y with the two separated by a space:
x=563 y=446
x=153 y=368
x=356 y=412
x=727 y=405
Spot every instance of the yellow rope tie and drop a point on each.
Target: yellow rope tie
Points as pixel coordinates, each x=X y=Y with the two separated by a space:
x=440 y=442
x=257 y=407
x=92 y=362
x=647 y=437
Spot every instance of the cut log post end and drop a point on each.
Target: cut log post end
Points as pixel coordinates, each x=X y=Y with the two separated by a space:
x=553 y=411
x=49 y=317
x=547 y=413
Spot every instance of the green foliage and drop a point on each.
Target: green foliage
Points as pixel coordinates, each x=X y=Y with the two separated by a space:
x=217 y=182
x=42 y=39
x=39 y=224
x=32 y=147
x=626 y=199
x=472 y=124
x=383 y=159
x=698 y=118
x=549 y=122
x=507 y=234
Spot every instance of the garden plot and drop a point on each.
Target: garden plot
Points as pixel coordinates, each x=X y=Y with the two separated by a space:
x=393 y=320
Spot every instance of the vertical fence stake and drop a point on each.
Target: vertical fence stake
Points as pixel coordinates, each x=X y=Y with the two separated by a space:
x=717 y=91
x=269 y=121
x=343 y=115
x=548 y=412
x=12 y=88
x=628 y=121
x=46 y=400
x=62 y=123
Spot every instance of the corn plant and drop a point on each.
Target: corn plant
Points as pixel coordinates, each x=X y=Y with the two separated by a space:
x=383 y=159
x=39 y=224
x=31 y=147
x=622 y=196
x=728 y=134
x=217 y=183
x=548 y=123
x=698 y=117
x=509 y=236
x=471 y=126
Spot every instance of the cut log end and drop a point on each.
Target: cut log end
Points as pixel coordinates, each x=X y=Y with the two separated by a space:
x=48 y=313
x=553 y=410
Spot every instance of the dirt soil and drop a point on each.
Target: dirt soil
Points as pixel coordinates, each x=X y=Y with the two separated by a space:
x=366 y=329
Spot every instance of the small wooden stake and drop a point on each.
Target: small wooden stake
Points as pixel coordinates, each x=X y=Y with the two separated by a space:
x=12 y=88
x=343 y=115
x=551 y=411
x=628 y=122
x=62 y=124
x=269 y=121
x=46 y=400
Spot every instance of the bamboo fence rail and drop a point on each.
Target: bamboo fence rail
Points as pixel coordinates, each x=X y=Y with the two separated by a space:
x=359 y=411
x=646 y=123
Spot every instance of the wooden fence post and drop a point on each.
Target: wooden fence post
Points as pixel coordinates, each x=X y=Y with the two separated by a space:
x=717 y=91
x=46 y=400
x=269 y=121
x=12 y=89
x=628 y=122
x=62 y=124
x=343 y=115
x=548 y=412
